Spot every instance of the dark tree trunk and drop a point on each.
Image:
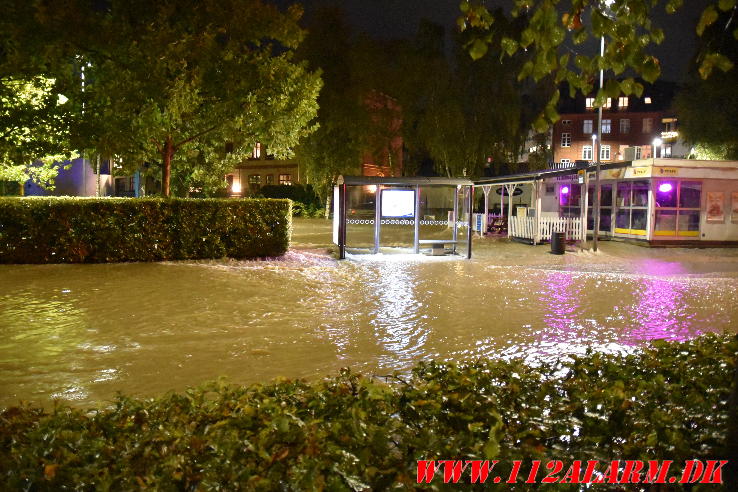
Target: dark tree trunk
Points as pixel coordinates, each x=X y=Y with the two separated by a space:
x=167 y=154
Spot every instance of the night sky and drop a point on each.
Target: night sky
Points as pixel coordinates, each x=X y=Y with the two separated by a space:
x=399 y=18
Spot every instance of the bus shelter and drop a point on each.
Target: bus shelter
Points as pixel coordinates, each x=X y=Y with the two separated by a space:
x=374 y=215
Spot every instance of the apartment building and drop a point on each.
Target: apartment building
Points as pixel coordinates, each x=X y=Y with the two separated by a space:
x=632 y=127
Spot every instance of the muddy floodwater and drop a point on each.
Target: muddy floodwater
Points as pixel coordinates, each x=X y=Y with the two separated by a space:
x=80 y=333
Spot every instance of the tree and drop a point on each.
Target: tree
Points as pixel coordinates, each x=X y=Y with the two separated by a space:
x=336 y=146
x=35 y=116
x=708 y=108
x=471 y=111
x=33 y=123
x=172 y=82
x=553 y=27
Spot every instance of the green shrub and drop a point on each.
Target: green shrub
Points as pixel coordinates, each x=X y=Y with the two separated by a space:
x=76 y=230
x=355 y=433
x=297 y=193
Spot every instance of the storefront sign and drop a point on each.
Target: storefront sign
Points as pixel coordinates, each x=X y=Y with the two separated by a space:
x=666 y=171
x=615 y=173
x=715 y=203
x=638 y=172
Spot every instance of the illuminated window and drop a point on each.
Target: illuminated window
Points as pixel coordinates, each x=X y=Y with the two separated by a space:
x=285 y=179
x=254 y=180
x=587 y=153
x=606 y=126
x=647 y=125
x=256 y=153
x=677 y=208
x=647 y=100
x=590 y=102
x=587 y=126
x=625 y=126
x=623 y=102
x=604 y=152
x=608 y=103
x=669 y=124
x=566 y=139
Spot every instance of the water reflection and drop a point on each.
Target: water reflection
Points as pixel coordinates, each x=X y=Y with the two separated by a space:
x=395 y=316
x=83 y=332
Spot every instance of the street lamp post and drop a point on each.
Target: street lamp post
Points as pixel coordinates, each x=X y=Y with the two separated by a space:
x=596 y=204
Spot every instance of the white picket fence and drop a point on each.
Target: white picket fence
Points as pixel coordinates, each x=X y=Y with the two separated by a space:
x=524 y=227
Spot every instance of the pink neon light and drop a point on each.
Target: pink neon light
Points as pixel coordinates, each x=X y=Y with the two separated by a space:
x=665 y=187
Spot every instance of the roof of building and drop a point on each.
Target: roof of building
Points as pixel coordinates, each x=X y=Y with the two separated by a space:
x=661 y=94
x=415 y=180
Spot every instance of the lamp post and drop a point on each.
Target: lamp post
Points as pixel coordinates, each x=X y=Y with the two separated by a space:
x=605 y=6
x=596 y=201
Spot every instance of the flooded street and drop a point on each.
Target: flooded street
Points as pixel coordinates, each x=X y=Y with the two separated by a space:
x=82 y=332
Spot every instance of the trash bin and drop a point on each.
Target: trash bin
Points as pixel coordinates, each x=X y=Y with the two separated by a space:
x=558 y=244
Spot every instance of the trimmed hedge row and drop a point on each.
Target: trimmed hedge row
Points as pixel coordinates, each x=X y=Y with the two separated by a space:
x=89 y=230
x=670 y=401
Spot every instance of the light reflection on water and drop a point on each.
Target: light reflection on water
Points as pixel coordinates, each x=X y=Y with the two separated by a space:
x=81 y=333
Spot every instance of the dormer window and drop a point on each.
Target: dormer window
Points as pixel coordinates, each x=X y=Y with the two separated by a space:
x=256 y=153
x=589 y=102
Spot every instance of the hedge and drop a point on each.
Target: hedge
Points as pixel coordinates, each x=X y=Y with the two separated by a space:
x=90 y=230
x=352 y=432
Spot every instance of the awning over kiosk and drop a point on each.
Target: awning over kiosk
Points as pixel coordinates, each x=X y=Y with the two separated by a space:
x=442 y=206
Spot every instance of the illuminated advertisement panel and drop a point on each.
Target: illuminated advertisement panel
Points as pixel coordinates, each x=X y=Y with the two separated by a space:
x=398 y=203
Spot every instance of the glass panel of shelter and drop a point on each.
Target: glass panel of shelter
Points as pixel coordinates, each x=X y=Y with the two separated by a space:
x=435 y=213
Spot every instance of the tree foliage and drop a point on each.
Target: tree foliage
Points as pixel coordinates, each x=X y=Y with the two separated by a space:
x=173 y=81
x=553 y=29
x=34 y=114
x=337 y=145
x=708 y=108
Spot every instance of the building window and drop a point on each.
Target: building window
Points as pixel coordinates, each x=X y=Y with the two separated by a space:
x=637 y=153
x=587 y=126
x=677 y=208
x=254 y=181
x=566 y=139
x=625 y=126
x=285 y=179
x=566 y=161
x=256 y=153
x=587 y=153
x=623 y=102
x=631 y=215
x=669 y=124
x=647 y=100
x=566 y=122
x=606 y=126
x=647 y=125
x=269 y=179
x=604 y=152
x=570 y=197
x=608 y=103
x=590 y=102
